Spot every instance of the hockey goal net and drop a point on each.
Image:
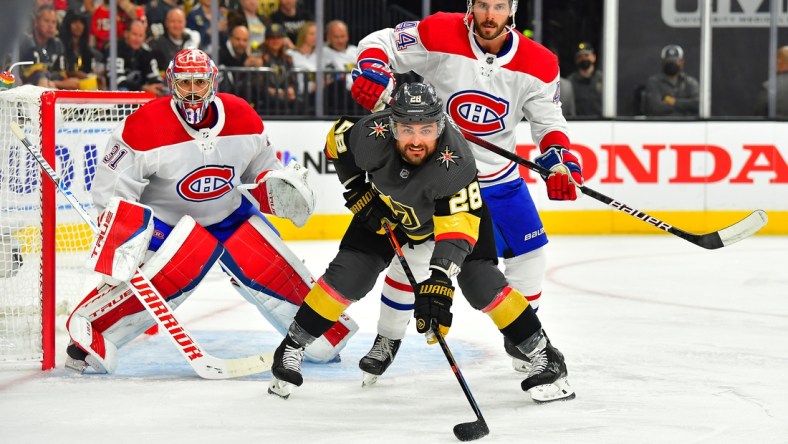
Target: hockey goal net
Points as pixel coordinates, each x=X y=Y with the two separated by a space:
x=43 y=242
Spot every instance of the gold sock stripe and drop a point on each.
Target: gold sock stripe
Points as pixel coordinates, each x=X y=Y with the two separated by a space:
x=506 y=307
x=326 y=301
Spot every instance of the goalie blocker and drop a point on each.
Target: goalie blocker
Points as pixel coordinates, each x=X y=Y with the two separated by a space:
x=264 y=272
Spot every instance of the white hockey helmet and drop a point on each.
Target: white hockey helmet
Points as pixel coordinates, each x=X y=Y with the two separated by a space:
x=191 y=77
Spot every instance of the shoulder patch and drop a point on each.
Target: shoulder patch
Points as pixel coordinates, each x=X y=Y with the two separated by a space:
x=446 y=157
x=378 y=128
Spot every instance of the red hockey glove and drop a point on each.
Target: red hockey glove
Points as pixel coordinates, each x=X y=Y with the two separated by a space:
x=372 y=85
x=565 y=172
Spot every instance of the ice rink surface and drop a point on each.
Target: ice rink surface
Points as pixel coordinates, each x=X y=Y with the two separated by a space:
x=665 y=343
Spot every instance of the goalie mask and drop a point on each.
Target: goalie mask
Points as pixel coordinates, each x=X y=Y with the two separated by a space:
x=191 y=77
x=416 y=103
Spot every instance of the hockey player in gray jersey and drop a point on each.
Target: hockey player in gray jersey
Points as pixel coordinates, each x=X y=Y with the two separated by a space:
x=411 y=166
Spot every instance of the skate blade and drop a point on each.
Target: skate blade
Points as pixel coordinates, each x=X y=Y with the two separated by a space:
x=280 y=388
x=77 y=365
x=560 y=390
x=369 y=379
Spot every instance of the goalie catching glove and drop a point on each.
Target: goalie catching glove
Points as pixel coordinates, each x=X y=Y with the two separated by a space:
x=365 y=203
x=284 y=193
x=373 y=84
x=433 y=304
x=565 y=172
x=125 y=230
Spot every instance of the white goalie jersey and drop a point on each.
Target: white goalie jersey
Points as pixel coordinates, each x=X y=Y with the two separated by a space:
x=485 y=94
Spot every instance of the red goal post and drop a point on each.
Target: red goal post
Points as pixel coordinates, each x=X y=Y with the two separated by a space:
x=43 y=243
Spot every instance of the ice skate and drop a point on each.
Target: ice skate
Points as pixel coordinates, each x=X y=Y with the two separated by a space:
x=286 y=369
x=547 y=379
x=75 y=358
x=378 y=359
x=520 y=361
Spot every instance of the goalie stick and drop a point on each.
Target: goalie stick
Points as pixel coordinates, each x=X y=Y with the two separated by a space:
x=710 y=241
x=205 y=365
x=466 y=431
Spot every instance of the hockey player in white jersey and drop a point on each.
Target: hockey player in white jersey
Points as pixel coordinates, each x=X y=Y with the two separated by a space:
x=490 y=77
x=167 y=191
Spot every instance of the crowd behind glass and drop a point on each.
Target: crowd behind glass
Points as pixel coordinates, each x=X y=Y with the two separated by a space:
x=267 y=55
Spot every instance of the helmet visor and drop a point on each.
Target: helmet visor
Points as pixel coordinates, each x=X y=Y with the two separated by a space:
x=408 y=132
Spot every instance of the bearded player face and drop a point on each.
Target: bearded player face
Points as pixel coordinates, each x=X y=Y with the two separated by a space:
x=490 y=18
x=416 y=142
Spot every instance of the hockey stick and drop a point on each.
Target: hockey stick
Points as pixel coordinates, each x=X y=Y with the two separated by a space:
x=205 y=365
x=711 y=241
x=466 y=431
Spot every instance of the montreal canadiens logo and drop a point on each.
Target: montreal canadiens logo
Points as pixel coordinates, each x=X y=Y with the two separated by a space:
x=206 y=183
x=478 y=113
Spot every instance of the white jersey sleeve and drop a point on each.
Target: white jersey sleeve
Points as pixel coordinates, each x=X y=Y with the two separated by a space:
x=122 y=172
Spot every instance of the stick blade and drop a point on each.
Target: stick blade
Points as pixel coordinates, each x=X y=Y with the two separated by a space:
x=469 y=431
x=743 y=228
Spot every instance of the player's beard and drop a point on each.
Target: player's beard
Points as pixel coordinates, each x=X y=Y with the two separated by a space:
x=416 y=154
x=488 y=33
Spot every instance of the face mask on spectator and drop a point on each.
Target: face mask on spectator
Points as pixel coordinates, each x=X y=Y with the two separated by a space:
x=584 y=64
x=670 y=68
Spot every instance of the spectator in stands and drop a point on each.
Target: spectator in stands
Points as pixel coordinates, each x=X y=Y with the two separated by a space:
x=47 y=51
x=782 y=88
x=587 y=82
x=175 y=38
x=292 y=18
x=136 y=65
x=199 y=20
x=304 y=56
x=100 y=25
x=339 y=55
x=248 y=16
x=156 y=13
x=672 y=92
x=81 y=60
x=90 y=6
x=235 y=53
x=280 y=83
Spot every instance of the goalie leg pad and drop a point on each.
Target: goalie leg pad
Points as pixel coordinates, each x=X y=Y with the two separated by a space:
x=396 y=302
x=102 y=354
x=272 y=278
x=175 y=270
x=525 y=273
x=125 y=230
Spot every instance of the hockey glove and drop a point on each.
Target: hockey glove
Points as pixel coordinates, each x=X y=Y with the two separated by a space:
x=373 y=84
x=565 y=172
x=284 y=193
x=433 y=304
x=365 y=203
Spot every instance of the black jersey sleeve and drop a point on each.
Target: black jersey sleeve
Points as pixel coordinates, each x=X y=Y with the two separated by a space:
x=456 y=220
x=338 y=152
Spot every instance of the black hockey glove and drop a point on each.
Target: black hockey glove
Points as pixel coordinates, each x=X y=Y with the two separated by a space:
x=433 y=303
x=365 y=203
